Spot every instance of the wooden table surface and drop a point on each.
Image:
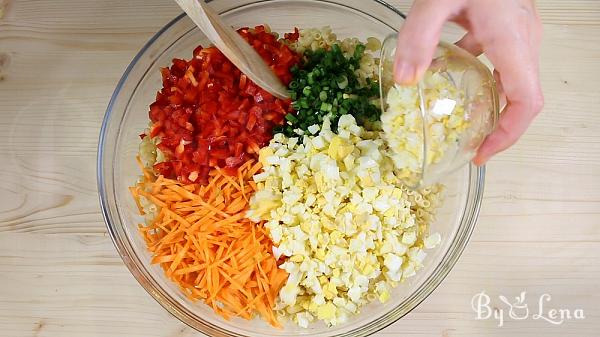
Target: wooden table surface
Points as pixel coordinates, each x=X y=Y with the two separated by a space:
x=60 y=276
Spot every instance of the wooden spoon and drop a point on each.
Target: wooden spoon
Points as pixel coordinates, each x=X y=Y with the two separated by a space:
x=233 y=46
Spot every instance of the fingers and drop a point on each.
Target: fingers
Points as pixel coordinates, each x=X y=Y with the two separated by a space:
x=470 y=44
x=515 y=55
x=419 y=36
x=520 y=110
x=524 y=100
x=510 y=127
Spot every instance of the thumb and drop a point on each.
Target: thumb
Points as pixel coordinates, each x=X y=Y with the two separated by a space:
x=419 y=36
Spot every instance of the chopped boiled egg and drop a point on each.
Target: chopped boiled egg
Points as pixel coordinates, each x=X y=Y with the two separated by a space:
x=403 y=126
x=335 y=207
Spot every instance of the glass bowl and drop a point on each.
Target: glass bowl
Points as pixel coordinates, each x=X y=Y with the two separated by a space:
x=467 y=106
x=127 y=116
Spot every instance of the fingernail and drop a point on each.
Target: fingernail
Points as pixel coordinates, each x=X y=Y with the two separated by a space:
x=479 y=161
x=404 y=73
x=480 y=158
x=421 y=69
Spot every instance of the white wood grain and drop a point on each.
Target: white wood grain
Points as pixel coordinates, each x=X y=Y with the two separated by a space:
x=60 y=275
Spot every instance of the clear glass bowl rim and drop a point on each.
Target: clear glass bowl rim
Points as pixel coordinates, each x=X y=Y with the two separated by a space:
x=126 y=251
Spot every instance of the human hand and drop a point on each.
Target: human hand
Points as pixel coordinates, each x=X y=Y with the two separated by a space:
x=507 y=31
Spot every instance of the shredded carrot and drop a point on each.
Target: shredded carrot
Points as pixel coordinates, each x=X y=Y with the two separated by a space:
x=205 y=244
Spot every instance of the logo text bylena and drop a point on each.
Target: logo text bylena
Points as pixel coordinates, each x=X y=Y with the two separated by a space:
x=519 y=309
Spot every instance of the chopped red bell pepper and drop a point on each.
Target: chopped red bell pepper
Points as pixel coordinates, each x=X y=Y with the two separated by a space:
x=210 y=114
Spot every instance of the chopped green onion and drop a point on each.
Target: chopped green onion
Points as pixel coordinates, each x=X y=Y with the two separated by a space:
x=342 y=82
x=306 y=91
x=358 y=52
x=291 y=118
x=323 y=96
x=324 y=84
x=304 y=103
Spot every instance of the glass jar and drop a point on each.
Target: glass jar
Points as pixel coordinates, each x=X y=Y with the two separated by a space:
x=437 y=125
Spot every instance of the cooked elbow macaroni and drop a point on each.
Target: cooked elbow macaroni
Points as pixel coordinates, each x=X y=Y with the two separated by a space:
x=315 y=38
